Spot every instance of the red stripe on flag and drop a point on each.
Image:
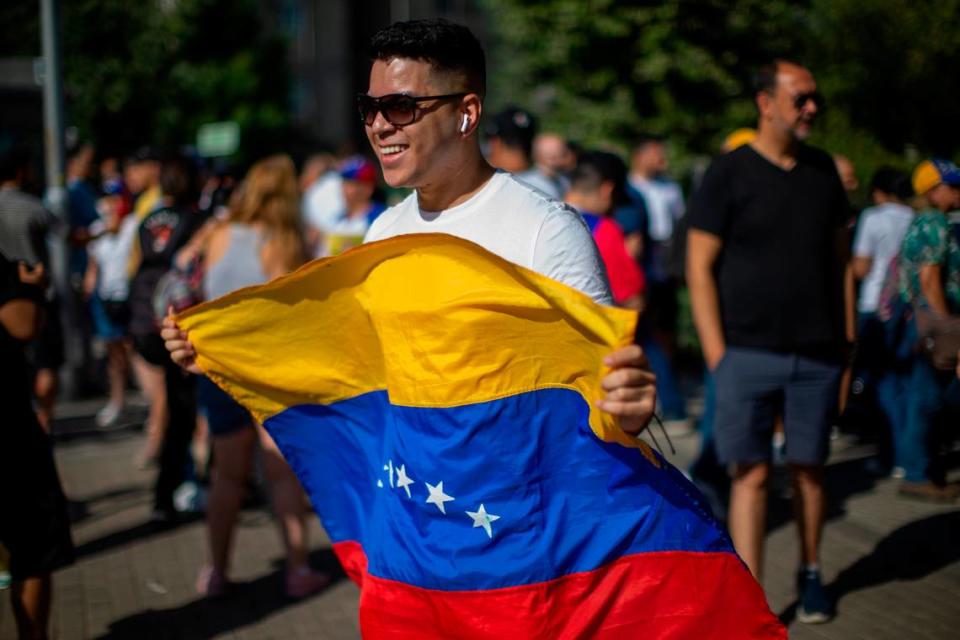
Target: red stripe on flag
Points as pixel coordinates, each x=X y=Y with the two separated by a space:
x=674 y=594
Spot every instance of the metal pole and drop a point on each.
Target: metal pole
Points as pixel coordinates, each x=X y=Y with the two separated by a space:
x=56 y=193
x=52 y=106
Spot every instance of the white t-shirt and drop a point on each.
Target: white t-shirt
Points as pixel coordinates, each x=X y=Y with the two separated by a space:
x=879 y=236
x=323 y=200
x=112 y=253
x=517 y=223
x=664 y=201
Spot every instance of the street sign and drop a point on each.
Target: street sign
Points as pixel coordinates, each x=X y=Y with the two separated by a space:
x=218 y=139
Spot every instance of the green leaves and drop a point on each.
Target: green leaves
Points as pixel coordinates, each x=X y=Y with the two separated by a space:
x=603 y=71
x=152 y=72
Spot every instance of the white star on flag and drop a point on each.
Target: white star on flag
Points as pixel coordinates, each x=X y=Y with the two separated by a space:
x=483 y=519
x=437 y=496
x=403 y=480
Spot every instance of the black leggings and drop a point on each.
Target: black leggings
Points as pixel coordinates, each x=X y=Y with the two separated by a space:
x=182 y=412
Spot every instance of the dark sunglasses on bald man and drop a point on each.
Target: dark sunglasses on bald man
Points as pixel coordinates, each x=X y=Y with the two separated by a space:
x=800 y=100
x=397 y=108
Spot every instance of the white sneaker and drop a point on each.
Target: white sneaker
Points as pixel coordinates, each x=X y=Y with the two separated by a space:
x=899 y=473
x=108 y=415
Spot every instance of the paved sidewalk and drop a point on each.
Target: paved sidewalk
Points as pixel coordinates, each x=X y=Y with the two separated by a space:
x=895 y=565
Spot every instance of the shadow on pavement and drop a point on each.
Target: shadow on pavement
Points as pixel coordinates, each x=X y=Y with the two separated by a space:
x=82 y=509
x=126 y=536
x=842 y=480
x=248 y=603
x=911 y=552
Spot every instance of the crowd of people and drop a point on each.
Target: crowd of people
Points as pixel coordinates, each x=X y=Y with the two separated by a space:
x=766 y=244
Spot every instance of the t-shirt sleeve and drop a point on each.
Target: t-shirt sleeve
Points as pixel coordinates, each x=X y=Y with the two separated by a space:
x=710 y=209
x=626 y=278
x=565 y=251
x=842 y=212
x=865 y=238
x=926 y=242
x=10 y=286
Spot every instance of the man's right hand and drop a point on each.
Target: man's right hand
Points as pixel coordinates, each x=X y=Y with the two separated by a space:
x=713 y=357
x=176 y=342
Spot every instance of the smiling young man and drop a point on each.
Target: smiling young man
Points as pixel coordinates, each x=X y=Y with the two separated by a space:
x=422 y=112
x=764 y=268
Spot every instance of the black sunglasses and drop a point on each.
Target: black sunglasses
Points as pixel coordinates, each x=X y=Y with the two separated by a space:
x=397 y=108
x=800 y=100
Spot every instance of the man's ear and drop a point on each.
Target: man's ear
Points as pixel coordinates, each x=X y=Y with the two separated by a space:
x=472 y=108
x=606 y=191
x=764 y=102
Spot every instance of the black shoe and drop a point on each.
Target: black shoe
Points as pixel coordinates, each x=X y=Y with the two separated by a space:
x=814 y=605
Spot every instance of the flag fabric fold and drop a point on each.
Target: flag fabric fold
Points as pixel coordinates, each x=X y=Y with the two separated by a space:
x=437 y=404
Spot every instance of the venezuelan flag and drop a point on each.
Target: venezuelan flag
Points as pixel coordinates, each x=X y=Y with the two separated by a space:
x=436 y=402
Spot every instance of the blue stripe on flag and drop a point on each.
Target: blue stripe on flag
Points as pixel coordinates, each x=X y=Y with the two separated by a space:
x=555 y=499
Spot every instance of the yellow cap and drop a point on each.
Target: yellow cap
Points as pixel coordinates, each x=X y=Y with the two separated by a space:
x=925 y=177
x=738 y=138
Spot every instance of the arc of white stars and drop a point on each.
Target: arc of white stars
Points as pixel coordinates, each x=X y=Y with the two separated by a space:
x=438 y=497
x=389 y=469
x=483 y=519
x=403 y=480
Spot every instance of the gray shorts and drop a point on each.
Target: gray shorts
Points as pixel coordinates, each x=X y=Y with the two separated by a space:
x=754 y=385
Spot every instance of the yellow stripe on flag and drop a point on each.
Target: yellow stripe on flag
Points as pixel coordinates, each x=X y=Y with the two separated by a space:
x=435 y=320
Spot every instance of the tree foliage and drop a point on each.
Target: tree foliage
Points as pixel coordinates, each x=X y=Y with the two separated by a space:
x=603 y=71
x=151 y=72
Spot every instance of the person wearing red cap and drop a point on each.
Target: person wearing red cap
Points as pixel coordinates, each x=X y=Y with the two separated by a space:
x=348 y=228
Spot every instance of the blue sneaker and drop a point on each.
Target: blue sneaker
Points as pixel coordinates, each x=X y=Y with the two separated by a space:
x=815 y=606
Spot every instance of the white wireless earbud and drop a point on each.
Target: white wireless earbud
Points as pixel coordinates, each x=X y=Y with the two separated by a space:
x=464 y=123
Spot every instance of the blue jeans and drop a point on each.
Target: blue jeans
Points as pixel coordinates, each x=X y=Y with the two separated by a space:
x=925 y=399
x=668 y=391
x=889 y=379
x=707 y=465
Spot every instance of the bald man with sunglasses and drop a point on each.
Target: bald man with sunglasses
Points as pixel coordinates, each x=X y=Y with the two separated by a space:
x=421 y=113
x=765 y=254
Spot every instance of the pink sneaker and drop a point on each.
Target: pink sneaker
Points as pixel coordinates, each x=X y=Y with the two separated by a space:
x=212 y=583
x=304 y=582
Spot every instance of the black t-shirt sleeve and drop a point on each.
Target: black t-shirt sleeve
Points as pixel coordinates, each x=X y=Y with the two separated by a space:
x=710 y=208
x=841 y=213
x=10 y=286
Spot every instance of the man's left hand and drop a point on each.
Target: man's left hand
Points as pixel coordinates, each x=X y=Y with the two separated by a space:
x=631 y=389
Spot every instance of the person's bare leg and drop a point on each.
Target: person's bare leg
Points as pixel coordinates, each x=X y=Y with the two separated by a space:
x=200 y=447
x=288 y=502
x=150 y=379
x=31 y=607
x=45 y=389
x=747 y=516
x=117 y=371
x=234 y=456
x=809 y=503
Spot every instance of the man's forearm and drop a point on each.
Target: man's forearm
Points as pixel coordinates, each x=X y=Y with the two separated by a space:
x=706 y=314
x=931 y=286
x=850 y=303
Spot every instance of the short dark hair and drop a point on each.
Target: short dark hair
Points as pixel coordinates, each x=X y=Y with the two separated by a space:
x=12 y=163
x=446 y=46
x=765 y=77
x=596 y=167
x=892 y=182
x=515 y=128
x=646 y=139
x=178 y=180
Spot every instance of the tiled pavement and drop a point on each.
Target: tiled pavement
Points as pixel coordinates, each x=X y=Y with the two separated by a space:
x=894 y=564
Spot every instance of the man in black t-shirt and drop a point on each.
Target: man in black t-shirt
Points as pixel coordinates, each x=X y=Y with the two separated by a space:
x=764 y=268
